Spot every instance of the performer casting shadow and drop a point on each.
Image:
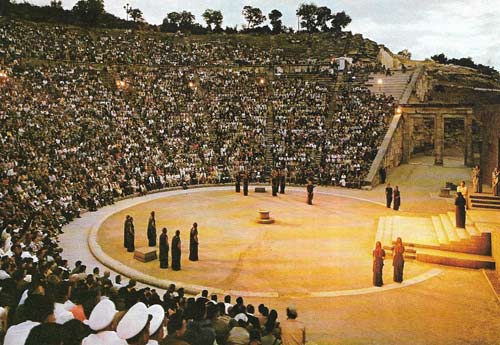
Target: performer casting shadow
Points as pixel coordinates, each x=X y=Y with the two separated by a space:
x=398 y=260
x=163 y=244
x=378 y=264
x=176 y=251
x=310 y=191
x=152 y=230
x=130 y=237
x=193 y=243
x=388 y=195
x=460 y=203
x=397 y=198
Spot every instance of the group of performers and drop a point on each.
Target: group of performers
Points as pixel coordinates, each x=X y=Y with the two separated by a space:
x=278 y=183
x=392 y=195
x=398 y=262
x=163 y=243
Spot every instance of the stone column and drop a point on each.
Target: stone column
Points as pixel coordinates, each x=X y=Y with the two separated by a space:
x=438 y=139
x=468 y=152
x=407 y=132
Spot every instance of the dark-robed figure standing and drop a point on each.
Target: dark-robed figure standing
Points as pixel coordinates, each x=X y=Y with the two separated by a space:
x=378 y=264
x=126 y=225
x=388 y=195
x=193 y=243
x=460 y=204
x=237 y=182
x=152 y=230
x=310 y=191
x=163 y=244
x=130 y=236
x=398 y=260
x=397 y=198
x=275 y=178
x=282 y=181
x=176 y=251
x=245 y=184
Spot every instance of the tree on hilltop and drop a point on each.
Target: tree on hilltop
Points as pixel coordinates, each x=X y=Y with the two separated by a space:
x=323 y=16
x=275 y=19
x=213 y=17
x=307 y=15
x=339 y=21
x=89 y=11
x=253 y=16
x=135 y=14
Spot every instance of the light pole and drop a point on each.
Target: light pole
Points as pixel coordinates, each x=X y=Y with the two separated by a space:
x=127 y=7
x=380 y=82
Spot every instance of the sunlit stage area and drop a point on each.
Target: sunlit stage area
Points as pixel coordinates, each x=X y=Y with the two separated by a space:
x=317 y=257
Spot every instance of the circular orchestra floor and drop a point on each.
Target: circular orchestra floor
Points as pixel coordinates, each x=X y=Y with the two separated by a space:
x=323 y=247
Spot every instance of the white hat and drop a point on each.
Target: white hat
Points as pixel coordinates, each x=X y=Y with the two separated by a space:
x=102 y=315
x=133 y=321
x=242 y=317
x=158 y=314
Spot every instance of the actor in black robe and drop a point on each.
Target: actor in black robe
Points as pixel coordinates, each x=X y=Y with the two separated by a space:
x=397 y=198
x=130 y=237
x=176 y=251
x=378 y=264
x=152 y=230
x=163 y=244
x=310 y=192
x=275 y=182
x=245 y=184
x=388 y=195
x=282 y=181
x=460 y=203
x=238 y=182
x=193 y=243
x=126 y=225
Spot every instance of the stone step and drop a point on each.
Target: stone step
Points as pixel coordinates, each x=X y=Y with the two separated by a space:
x=388 y=233
x=485 y=201
x=440 y=232
x=408 y=249
x=484 y=197
x=455 y=258
x=486 y=206
x=462 y=233
x=449 y=228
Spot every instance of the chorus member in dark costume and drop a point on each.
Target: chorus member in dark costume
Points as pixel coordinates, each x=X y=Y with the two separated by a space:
x=388 y=195
x=152 y=230
x=476 y=180
x=310 y=191
x=495 y=175
x=460 y=203
x=245 y=184
x=163 y=244
x=275 y=182
x=398 y=260
x=193 y=243
x=397 y=198
x=378 y=264
x=125 y=230
x=176 y=251
x=130 y=237
x=237 y=182
x=282 y=181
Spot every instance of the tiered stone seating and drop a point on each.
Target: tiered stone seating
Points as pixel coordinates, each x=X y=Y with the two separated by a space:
x=485 y=201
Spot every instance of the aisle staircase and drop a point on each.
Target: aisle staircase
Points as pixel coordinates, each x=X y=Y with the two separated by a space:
x=394 y=84
x=436 y=240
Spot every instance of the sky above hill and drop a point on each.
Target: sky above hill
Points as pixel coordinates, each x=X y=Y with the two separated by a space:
x=457 y=28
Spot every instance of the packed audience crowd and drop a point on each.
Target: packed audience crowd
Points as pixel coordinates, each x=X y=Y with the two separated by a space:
x=72 y=140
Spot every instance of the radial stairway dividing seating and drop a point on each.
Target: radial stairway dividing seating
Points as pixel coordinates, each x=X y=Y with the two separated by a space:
x=394 y=84
x=487 y=201
x=436 y=240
